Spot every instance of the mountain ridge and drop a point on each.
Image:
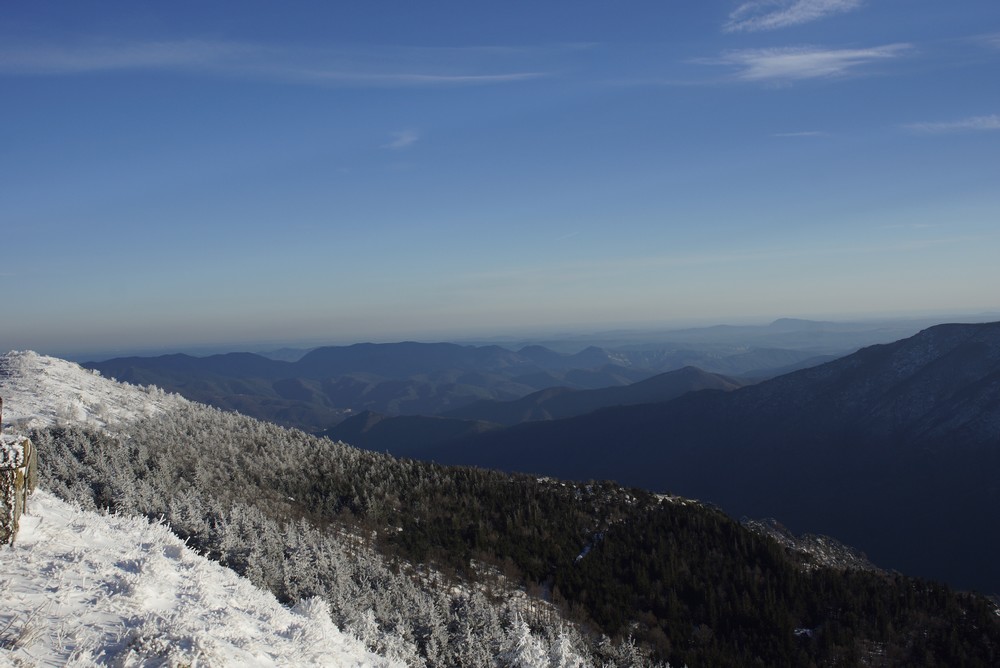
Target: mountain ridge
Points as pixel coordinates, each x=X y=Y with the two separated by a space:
x=331 y=383
x=556 y=403
x=852 y=448
x=328 y=384
x=405 y=435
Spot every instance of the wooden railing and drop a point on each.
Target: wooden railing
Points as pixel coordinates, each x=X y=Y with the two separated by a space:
x=18 y=477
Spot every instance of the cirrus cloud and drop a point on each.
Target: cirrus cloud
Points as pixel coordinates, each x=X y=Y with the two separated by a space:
x=971 y=124
x=786 y=64
x=401 y=140
x=757 y=15
x=801 y=133
x=345 y=66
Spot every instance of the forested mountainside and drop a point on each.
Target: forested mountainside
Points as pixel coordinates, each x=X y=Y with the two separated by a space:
x=388 y=543
x=444 y=566
x=894 y=449
x=402 y=435
x=556 y=403
x=406 y=434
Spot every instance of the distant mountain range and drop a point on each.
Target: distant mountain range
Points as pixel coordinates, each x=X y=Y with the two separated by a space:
x=409 y=434
x=318 y=388
x=895 y=448
x=328 y=384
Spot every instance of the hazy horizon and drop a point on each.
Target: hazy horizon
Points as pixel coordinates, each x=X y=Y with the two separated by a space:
x=195 y=175
x=567 y=339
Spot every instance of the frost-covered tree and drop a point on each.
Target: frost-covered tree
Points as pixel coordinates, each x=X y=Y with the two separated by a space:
x=564 y=650
x=424 y=561
x=524 y=649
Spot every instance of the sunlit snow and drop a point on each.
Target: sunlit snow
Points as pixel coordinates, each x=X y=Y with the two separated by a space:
x=39 y=391
x=79 y=588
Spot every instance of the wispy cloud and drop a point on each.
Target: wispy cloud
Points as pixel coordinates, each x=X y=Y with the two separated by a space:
x=757 y=15
x=972 y=124
x=992 y=40
x=370 y=66
x=401 y=140
x=343 y=77
x=803 y=133
x=788 y=64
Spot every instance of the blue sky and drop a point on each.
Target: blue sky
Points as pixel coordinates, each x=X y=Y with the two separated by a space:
x=187 y=173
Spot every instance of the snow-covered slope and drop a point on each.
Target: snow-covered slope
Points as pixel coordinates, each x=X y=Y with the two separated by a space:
x=79 y=588
x=39 y=391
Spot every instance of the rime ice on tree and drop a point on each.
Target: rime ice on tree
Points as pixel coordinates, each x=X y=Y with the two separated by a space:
x=18 y=476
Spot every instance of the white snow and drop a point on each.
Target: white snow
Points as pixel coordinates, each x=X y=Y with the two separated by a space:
x=82 y=589
x=11 y=450
x=78 y=588
x=40 y=391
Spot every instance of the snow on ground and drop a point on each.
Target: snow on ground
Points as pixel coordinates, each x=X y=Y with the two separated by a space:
x=39 y=391
x=82 y=589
